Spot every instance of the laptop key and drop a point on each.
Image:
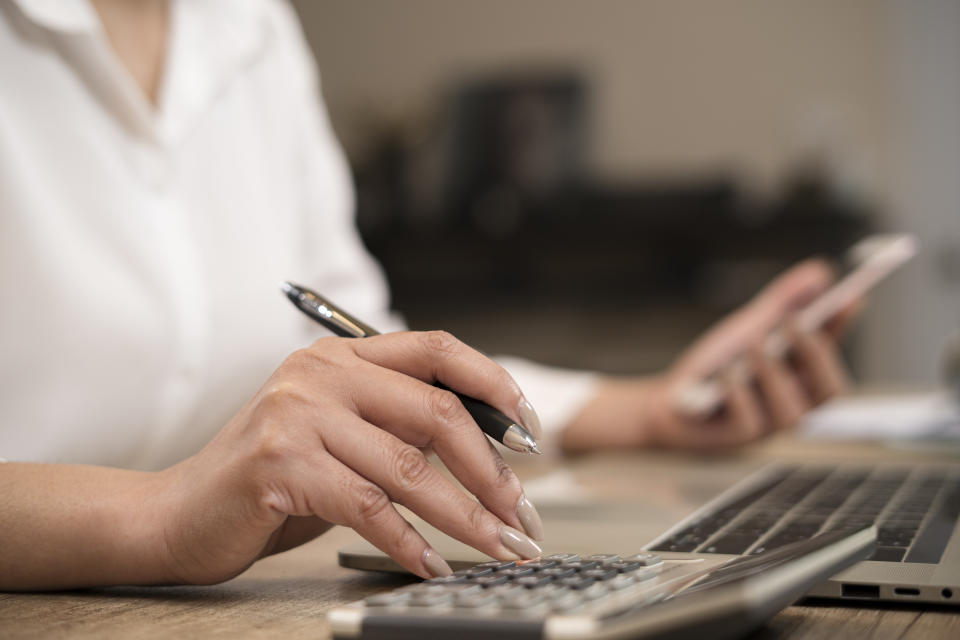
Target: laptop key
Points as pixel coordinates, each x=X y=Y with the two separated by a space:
x=731 y=544
x=888 y=554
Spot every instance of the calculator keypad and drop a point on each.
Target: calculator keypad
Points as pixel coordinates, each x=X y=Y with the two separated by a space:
x=559 y=583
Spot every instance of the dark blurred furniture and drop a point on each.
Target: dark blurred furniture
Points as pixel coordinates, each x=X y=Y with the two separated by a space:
x=508 y=218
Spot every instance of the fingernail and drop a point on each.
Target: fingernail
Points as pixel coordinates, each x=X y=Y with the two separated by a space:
x=529 y=518
x=530 y=419
x=519 y=543
x=436 y=565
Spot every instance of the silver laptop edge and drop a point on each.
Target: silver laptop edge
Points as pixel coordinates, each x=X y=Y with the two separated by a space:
x=868 y=580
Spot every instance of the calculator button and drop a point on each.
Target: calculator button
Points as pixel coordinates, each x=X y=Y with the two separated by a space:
x=603 y=558
x=496 y=565
x=540 y=565
x=559 y=572
x=551 y=590
x=625 y=567
x=599 y=574
x=454 y=579
x=490 y=581
x=525 y=600
x=474 y=571
x=534 y=581
x=507 y=591
x=583 y=565
x=564 y=558
x=515 y=572
x=576 y=583
x=431 y=599
x=595 y=590
x=622 y=581
x=476 y=600
x=646 y=573
x=426 y=587
x=646 y=559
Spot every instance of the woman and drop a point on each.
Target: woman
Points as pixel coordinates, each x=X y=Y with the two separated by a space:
x=164 y=166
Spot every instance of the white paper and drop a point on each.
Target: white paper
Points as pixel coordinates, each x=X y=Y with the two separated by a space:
x=908 y=416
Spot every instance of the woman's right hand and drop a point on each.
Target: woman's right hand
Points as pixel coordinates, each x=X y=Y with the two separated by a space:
x=336 y=436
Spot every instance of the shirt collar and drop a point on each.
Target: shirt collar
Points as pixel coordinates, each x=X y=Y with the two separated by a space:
x=209 y=42
x=67 y=16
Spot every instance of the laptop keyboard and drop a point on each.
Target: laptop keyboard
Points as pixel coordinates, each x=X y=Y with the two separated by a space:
x=915 y=511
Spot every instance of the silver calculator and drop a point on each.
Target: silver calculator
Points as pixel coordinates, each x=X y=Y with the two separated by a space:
x=646 y=595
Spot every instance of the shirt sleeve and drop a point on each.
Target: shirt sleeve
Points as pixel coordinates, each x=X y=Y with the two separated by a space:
x=339 y=265
x=335 y=261
x=556 y=394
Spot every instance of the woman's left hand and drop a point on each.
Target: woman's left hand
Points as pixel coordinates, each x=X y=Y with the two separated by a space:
x=646 y=411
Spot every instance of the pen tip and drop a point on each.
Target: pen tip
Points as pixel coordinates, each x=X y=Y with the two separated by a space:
x=535 y=449
x=286 y=287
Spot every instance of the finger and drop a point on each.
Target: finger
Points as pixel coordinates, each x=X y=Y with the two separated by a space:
x=781 y=394
x=409 y=479
x=744 y=416
x=794 y=289
x=437 y=356
x=766 y=311
x=740 y=420
x=422 y=415
x=841 y=321
x=342 y=496
x=815 y=358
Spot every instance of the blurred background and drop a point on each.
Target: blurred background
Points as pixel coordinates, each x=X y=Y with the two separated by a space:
x=592 y=184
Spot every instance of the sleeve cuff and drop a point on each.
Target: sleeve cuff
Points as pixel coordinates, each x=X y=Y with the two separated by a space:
x=556 y=394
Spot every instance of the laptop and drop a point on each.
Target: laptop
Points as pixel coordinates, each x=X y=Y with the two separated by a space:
x=915 y=508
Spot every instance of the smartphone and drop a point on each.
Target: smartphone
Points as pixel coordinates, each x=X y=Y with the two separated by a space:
x=872 y=259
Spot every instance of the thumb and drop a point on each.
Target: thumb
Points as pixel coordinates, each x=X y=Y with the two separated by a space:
x=791 y=291
x=750 y=324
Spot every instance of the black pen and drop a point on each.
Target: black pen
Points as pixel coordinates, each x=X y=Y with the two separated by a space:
x=492 y=422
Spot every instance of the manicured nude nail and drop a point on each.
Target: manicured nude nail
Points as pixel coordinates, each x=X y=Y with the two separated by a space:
x=529 y=518
x=519 y=543
x=530 y=419
x=436 y=565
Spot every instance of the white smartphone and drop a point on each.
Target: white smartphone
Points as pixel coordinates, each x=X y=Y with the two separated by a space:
x=872 y=260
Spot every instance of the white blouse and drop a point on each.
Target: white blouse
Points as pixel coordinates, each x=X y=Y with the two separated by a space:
x=141 y=247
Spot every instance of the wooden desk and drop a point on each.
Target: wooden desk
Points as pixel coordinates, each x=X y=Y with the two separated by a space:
x=288 y=595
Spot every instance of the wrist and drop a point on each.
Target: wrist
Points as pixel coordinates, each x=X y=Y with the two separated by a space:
x=141 y=518
x=620 y=414
x=660 y=413
x=70 y=526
